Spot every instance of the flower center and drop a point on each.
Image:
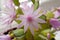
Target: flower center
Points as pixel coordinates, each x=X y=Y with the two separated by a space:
x=29 y=18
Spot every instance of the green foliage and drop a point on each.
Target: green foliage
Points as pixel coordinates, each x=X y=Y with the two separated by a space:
x=36 y=36
x=36 y=5
x=44 y=32
x=18 y=32
x=19 y=11
x=45 y=26
x=16 y=2
x=19 y=38
x=43 y=17
x=29 y=36
x=18 y=21
x=42 y=37
x=49 y=15
x=33 y=1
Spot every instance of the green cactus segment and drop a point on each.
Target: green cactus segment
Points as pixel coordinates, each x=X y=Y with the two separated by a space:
x=18 y=32
x=19 y=38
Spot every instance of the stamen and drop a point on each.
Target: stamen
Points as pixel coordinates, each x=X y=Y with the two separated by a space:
x=29 y=18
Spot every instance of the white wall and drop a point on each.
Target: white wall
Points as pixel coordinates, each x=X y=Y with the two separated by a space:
x=49 y=4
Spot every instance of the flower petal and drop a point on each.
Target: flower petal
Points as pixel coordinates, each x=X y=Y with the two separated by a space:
x=5 y=37
x=38 y=15
x=7 y=21
x=21 y=24
x=55 y=23
x=35 y=25
x=40 y=20
x=31 y=9
x=37 y=12
x=10 y=3
x=25 y=7
x=25 y=26
x=31 y=29
x=56 y=14
x=21 y=17
x=9 y=7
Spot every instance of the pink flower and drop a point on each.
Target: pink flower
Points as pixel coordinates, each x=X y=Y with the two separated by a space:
x=5 y=37
x=30 y=18
x=55 y=23
x=57 y=13
x=9 y=11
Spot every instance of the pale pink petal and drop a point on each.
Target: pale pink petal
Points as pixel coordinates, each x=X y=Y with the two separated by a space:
x=5 y=37
x=21 y=17
x=40 y=20
x=9 y=3
x=24 y=5
x=31 y=9
x=4 y=18
x=26 y=9
x=10 y=21
x=10 y=11
x=6 y=21
x=9 y=7
x=5 y=11
x=35 y=25
x=25 y=12
x=56 y=14
x=26 y=27
x=31 y=29
x=21 y=24
x=37 y=11
x=38 y=15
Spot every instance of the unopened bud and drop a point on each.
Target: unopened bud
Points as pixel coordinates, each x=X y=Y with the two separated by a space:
x=48 y=35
